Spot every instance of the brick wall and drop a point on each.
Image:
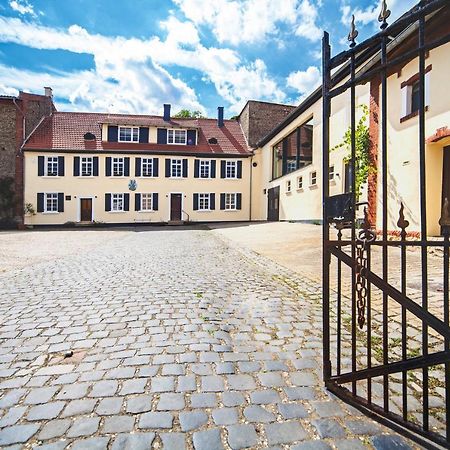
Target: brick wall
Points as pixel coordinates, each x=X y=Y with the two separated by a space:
x=7 y=138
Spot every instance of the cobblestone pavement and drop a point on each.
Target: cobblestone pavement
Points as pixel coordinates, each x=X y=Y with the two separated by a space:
x=167 y=339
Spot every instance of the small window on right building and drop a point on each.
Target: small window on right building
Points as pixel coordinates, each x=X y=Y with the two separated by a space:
x=411 y=95
x=313 y=178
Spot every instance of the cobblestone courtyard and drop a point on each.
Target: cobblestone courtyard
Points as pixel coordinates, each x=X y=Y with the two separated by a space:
x=173 y=339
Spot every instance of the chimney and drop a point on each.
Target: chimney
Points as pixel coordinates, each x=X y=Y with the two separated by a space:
x=220 y=116
x=166 y=112
x=48 y=91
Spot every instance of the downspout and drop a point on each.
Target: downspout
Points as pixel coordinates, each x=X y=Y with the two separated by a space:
x=251 y=176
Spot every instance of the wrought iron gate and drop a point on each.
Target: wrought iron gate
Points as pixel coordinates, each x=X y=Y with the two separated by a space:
x=386 y=348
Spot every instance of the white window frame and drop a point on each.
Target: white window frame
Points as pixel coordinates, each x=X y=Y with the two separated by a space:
x=231 y=166
x=115 y=199
x=147 y=162
x=54 y=199
x=55 y=163
x=230 y=201
x=300 y=183
x=206 y=165
x=288 y=186
x=176 y=164
x=134 y=134
x=313 y=178
x=120 y=162
x=146 y=199
x=172 y=136
x=331 y=174
x=88 y=161
x=291 y=164
x=206 y=200
x=406 y=94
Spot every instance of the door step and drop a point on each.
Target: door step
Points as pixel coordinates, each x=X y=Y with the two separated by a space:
x=175 y=222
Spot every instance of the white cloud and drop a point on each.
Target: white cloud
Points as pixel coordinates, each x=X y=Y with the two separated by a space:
x=305 y=81
x=307 y=27
x=22 y=7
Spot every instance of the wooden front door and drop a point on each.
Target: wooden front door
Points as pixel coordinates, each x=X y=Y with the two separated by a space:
x=86 y=209
x=273 y=209
x=446 y=183
x=175 y=206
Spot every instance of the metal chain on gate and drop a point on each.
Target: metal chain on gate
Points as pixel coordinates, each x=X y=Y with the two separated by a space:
x=365 y=237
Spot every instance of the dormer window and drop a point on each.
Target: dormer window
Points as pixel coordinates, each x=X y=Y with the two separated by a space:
x=177 y=137
x=128 y=134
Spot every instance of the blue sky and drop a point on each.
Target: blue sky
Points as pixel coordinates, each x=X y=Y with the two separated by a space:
x=134 y=55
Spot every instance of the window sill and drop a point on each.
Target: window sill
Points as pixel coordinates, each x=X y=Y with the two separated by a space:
x=411 y=115
x=300 y=190
x=86 y=176
x=146 y=211
x=313 y=186
x=128 y=142
x=204 y=210
x=116 y=212
x=50 y=212
x=230 y=210
x=288 y=192
x=50 y=176
x=177 y=143
x=147 y=176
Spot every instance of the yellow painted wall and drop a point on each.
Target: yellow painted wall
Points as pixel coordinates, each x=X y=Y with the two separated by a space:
x=96 y=187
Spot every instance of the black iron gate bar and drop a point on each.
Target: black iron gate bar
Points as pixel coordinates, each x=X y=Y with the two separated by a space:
x=351 y=61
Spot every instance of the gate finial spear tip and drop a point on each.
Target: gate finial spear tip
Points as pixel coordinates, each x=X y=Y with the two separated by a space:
x=402 y=223
x=353 y=32
x=384 y=14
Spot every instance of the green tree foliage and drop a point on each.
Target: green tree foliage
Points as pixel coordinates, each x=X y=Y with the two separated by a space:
x=362 y=145
x=187 y=114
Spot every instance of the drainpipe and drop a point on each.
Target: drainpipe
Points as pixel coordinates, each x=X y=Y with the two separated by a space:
x=251 y=176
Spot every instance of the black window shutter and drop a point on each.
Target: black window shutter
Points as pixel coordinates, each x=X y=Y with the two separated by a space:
x=143 y=135
x=137 y=202
x=161 y=136
x=113 y=133
x=108 y=169
x=40 y=202
x=155 y=167
x=239 y=169
x=155 y=202
x=126 y=166
x=195 y=202
x=76 y=166
x=238 y=201
x=185 y=168
x=222 y=201
x=191 y=137
x=41 y=162
x=213 y=169
x=196 y=168
x=167 y=168
x=60 y=202
x=60 y=166
x=212 y=201
x=107 y=202
x=95 y=164
x=222 y=169
x=126 y=202
x=137 y=169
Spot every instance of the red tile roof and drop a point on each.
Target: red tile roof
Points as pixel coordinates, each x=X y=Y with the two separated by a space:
x=66 y=130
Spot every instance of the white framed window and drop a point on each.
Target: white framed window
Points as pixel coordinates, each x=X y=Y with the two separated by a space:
x=313 y=178
x=86 y=166
x=118 y=167
x=51 y=166
x=146 y=202
x=291 y=165
x=176 y=136
x=230 y=169
x=128 y=134
x=176 y=168
x=410 y=92
x=205 y=169
x=117 y=203
x=203 y=202
x=331 y=173
x=299 y=182
x=230 y=202
x=147 y=167
x=288 y=186
x=51 y=203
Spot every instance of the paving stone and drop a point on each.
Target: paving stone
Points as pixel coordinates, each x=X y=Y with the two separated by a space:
x=135 y=441
x=156 y=420
x=303 y=379
x=11 y=398
x=121 y=373
x=139 y=404
x=118 y=424
x=186 y=383
x=350 y=444
x=328 y=428
x=212 y=384
x=203 y=400
x=163 y=384
x=271 y=379
x=148 y=371
x=40 y=395
x=17 y=434
x=249 y=366
x=256 y=413
x=202 y=369
x=55 y=370
x=45 y=412
x=54 y=428
x=96 y=443
x=134 y=386
x=312 y=445
x=192 y=419
x=265 y=397
x=84 y=426
x=284 y=433
x=275 y=366
x=241 y=382
x=225 y=368
x=292 y=411
x=79 y=407
x=54 y=446
x=300 y=393
x=362 y=427
x=225 y=416
x=173 y=369
x=232 y=398
x=12 y=416
x=172 y=441
x=208 y=440
x=73 y=391
x=105 y=388
x=109 y=406
x=170 y=402
x=389 y=442
x=328 y=409
x=242 y=436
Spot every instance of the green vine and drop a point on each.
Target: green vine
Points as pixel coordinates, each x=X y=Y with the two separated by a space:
x=362 y=145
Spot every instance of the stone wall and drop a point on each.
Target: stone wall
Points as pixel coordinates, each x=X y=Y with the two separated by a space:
x=7 y=138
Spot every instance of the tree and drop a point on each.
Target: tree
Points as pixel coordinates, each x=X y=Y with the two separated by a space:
x=187 y=114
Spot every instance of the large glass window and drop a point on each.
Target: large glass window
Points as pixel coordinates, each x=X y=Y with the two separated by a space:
x=118 y=167
x=176 y=136
x=128 y=134
x=52 y=166
x=87 y=165
x=203 y=202
x=146 y=202
x=294 y=151
x=117 y=202
x=147 y=167
x=51 y=202
x=205 y=169
x=176 y=168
